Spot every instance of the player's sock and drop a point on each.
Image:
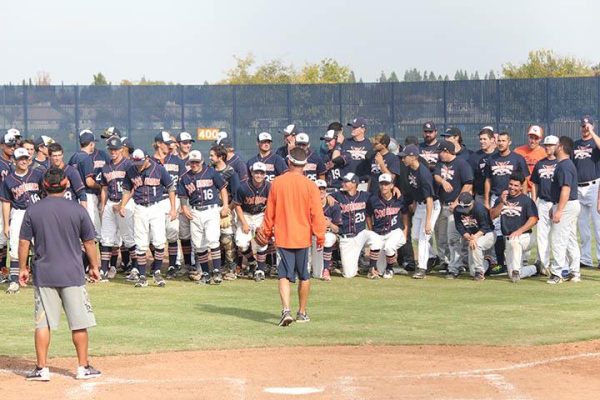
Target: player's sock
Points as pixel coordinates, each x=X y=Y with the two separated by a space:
x=125 y=255
x=172 y=253
x=261 y=258
x=186 y=249
x=390 y=261
x=141 y=262
x=499 y=247
x=3 y=257
x=152 y=250
x=159 y=255
x=104 y=258
x=373 y=256
x=114 y=256
x=14 y=271
x=133 y=254
x=215 y=255
x=202 y=259
x=250 y=255
x=327 y=253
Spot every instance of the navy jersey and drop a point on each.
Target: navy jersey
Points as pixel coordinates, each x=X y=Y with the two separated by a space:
x=282 y=151
x=252 y=199
x=464 y=153
x=21 y=191
x=586 y=157
x=354 y=211
x=333 y=174
x=565 y=174
x=149 y=185
x=429 y=154
x=100 y=159
x=478 y=161
x=542 y=174
x=421 y=183
x=314 y=166
x=201 y=188
x=112 y=176
x=232 y=181
x=276 y=165
x=516 y=212
x=239 y=166
x=478 y=219
x=354 y=153
x=333 y=214
x=40 y=164
x=75 y=189
x=5 y=168
x=386 y=214
x=392 y=162
x=499 y=169
x=175 y=167
x=458 y=173
x=85 y=166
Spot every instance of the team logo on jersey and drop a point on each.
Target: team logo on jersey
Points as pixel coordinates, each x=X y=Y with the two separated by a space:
x=112 y=175
x=447 y=173
x=468 y=221
x=349 y=207
x=430 y=156
x=502 y=168
x=412 y=181
x=375 y=168
x=512 y=209
x=582 y=152
x=357 y=153
x=386 y=212
x=98 y=164
x=547 y=171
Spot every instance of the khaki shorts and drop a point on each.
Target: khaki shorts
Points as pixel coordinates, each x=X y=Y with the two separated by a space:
x=74 y=300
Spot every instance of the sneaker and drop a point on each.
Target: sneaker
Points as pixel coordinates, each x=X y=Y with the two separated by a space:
x=573 y=278
x=419 y=274
x=479 y=276
x=515 y=276
x=217 y=277
x=259 y=275
x=141 y=281
x=388 y=274
x=13 y=288
x=326 y=276
x=541 y=269
x=286 y=318
x=103 y=277
x=452 y=275
x=554 y=280
x=302 y=317
x=3 y=278
x=39 y=374
x=158 y=279
x=124 y=268
x=205 y=279
x=171 y=272
x=112 y=272
x=433 y=262
x=87 y=372
x=373 y=274
x=133 y=276
x=496 y=269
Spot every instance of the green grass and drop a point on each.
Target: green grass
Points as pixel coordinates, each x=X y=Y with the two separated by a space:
x=185 y=316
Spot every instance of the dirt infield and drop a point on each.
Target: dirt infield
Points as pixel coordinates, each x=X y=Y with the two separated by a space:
x=364 y=372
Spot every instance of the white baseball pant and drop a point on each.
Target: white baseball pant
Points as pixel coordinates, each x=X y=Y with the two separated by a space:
x=391 y=242
x=476 y=256
x=543 y=231
x=316 y=257
x=16 y=220
x=149 y=225
x=588 y=199
x=116 y=229
x=93 y=209
x=3 y=239
x=514 y=256
x=205 y=228
x=351 y=248
x=171 y=227
x=418 y=231
x=243 y=240
x=564 y=240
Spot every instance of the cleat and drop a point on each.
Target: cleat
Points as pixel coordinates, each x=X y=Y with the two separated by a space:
x=133 y=276
x=286 y=318
x=13 y=288
x=112 y=272
x=479 y=276
x=388 y=274
x=217 y=278
x=515 y=276
x=158 y=279
x=141 y=281
x=326 y=276
x=573 y=278
x=171 y=272
x=205 y=279
x=419 y=273
x=103 y=277
x=554 y=280
x=259 y=275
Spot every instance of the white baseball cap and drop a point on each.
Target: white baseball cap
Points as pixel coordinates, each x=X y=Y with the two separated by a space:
x=290 y=130
x=185 y=137
x=195 y=155
x=259 y=166
x=535 y=130
x=263 y=136
x=385 y=178
x=9 y=138
x=302 y=138
x=321 y=183
x=329 y=135
x=14 y=131
x=138 y=157
x=21 y=152
x=550 y=140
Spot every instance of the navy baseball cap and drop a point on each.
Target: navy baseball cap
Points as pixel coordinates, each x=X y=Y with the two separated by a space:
x=185 y=137
x=86 y=136
x=465 y=200
x=110 y=132
x=447 y=146
x=453 y=131
x=429 y=126
x=358 y=122
x=163 y=137
x=351 y=177
x=227 y=143
x=410 y=150
x=127 y=143
x=43 y=140
x=114 y=143
x=587 y=120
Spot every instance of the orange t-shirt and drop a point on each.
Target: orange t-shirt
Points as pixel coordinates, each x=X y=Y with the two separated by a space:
x=531 y=158
x=294 y=212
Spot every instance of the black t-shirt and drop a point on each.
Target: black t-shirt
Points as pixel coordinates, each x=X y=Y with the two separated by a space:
x=516 y=212
x=542 y=174
x=478 y=219
x=499 y=169
x=478 y=161
x=586 y=157
x=458 y=173
x=421 y=183
x=429 y=153
x=354 y=153
x=392 y=162
x=565 y=174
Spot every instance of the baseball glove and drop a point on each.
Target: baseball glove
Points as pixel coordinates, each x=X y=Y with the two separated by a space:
x=225 y=221
x=260 y=238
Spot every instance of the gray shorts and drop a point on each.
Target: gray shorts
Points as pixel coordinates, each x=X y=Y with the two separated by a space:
x=49 y=302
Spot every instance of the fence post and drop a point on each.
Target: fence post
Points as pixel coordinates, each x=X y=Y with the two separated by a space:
x=393 y=85
x=182 y=99
x=234 y=116
x=598 y=105
x=129 y=131
x=340 y=103
x=498 y=105
x=445 y=86
x=25 y=113
x=289 y=103
x=547 y=107
x=76 y=88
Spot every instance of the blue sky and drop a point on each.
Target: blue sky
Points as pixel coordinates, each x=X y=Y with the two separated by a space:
x=193 y=41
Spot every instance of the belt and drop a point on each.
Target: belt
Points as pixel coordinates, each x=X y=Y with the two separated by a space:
x=584 y=184
x=347 y=235
x=204 y=208
x=148 y=204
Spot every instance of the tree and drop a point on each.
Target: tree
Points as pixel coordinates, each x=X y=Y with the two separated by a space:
x=382 y=78
x=425 y=76
x=475 y=76
x=352 y=78
x=42 y=78
x=492 y=75
x=412 y=75
x=393 y=77
x=100 y=80
x=546 y=64
x=432 y=76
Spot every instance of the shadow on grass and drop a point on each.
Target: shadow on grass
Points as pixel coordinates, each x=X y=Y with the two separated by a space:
x=252 y=315
x=22 y=366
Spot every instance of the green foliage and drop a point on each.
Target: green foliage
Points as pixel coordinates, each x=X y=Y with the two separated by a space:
x=546 y=64
x=100 y=80
x=393 y=77
x=382 y=78
x=412 y=75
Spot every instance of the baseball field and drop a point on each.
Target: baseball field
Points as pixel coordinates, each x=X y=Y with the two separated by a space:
x=397 y=338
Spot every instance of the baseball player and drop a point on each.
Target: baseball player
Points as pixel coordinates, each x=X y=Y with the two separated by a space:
x=110 y=132
x=565 y=212
x=126 y=257
x=518 y=215
x=333 y=218
x=314 y=168
x=388 y=218
x=249 y=202
x=454 y=136
x=128 y=147
x=383 y=161
x=427 y=208
x=184 y=142
x=146 y=181
x=276 y=165
x=428 y=149
x=201 y=189
x=41 y=144
x=19 y=189
x=587 y=161
x=333 y=166
x=238 y=165
x=354 y=234
x=115 y=229
x=473 y=223
x=75 y=189
x=479 y=159
x=532 y=152
x=289 y=136
x=29 y=145
x=454 y=176
x=541 y=193
x=354 y=151
x=8 y=143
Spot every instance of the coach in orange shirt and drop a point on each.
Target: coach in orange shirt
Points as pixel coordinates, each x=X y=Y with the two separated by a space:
x=532 y=152
x=293 y=215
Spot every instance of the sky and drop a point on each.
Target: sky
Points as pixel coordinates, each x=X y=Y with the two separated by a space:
x=193 y=41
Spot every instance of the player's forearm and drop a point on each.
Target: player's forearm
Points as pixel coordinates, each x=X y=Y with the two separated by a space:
x=487 y=187
x=23 y=252
x=563 y=199
x=534 y=192
x=495 y=212
x=172 y=199
x=467 y=187
x=225 y=197
x=531 y=221
x=125 y=198
x=6 y=214
x=91 y=252
x=428 y=209
x=240 y=214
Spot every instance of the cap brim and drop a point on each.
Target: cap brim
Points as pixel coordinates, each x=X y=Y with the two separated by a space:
x=187 y=140
x=137 y=162
x=385 y=182
x=114 y=148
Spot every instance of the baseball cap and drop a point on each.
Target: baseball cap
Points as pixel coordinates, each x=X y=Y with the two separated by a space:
x=465 y=200
x=289 y=130
x=410 y=150
x=185 y=137
x=351 y=177
x=358 y=123
x=195 y=155
x=259 y=166
x=335 y=126
x=86 y=136
x=43 y=140
x=329 y=135
x=14 y=131
x=550 y=140
x=385 y=178
x=110 y=132
x=321 y=183
x=138 y=157
x=429 y=126
x=297 y=156
x=227 y=143
x=114 y=143
x=453 y=131
x=535 y=130
x=127 y=143
x=302 y=138
x=264 y=136
x=446 y=145
x=9 y=138
x=163 y=137
x=586 y=120
x=20 y=153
